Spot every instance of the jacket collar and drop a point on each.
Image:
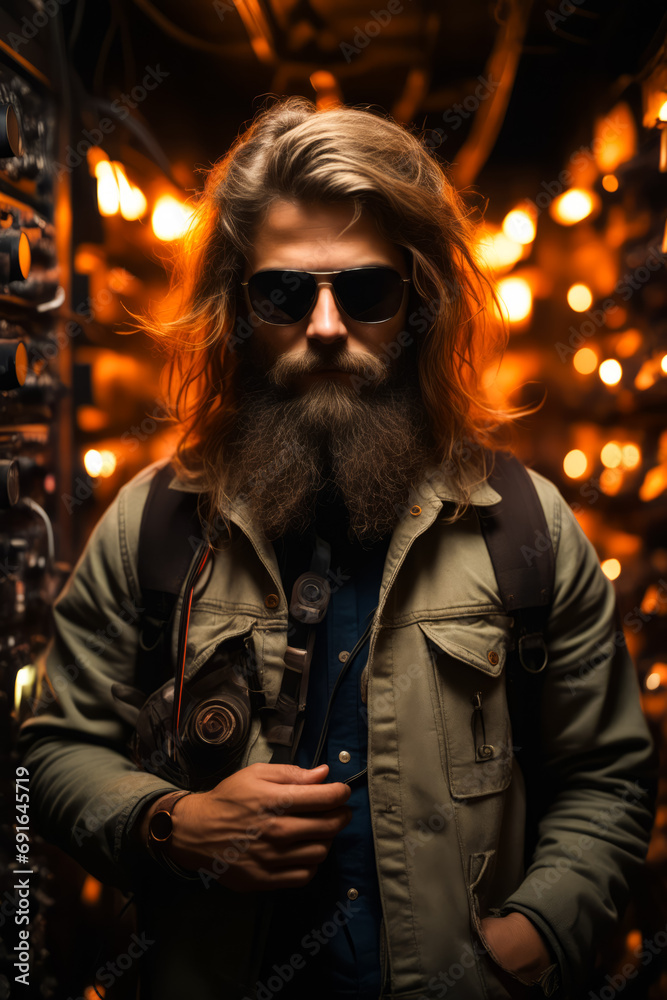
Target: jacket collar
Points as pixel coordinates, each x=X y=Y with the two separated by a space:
x=437 y=482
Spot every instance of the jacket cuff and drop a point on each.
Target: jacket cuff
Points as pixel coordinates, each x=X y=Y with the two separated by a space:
x=552 y=980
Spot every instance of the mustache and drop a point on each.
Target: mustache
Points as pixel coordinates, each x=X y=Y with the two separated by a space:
x=367 y=366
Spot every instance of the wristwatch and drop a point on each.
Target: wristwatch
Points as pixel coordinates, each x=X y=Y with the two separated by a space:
x=160 y=829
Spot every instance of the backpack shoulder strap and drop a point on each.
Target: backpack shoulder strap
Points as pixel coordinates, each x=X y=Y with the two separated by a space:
x=169 y=524
x=521 y=550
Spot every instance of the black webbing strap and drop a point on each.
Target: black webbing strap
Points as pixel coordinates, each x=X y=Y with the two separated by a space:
x=521 y=551
x=168 y=524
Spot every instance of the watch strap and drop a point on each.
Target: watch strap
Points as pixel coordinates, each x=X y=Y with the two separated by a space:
x=154 y=846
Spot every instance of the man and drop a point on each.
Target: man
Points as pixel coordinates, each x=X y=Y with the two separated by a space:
x=344 y=415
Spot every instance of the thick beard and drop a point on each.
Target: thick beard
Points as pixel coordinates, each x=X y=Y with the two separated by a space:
x=370 y=443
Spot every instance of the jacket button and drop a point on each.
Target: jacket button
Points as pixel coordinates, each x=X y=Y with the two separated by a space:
x=493 y=656
x=272 y=600
x=352 y=893
x=344 y=757
x=343 y=655
x=416 y=510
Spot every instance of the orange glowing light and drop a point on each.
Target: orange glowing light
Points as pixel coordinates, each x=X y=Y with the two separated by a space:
x=579 y=297
x=610 y=371
x=663 y=363
x=662 y=113
x=631 y=456
x=91 y=890
x=585 y=360
x=610 y=183
x=133 y=203
x=575 y=463
x=628 y=343
x=572 y=206
x=108 y=463
x=655 y=483
x=611 y=481
x=170 y=218
x=497 y=251
x=108 y=195
x=516 y=296
x=519 y=226
x=92 y=462
x=611 y=568
x=611 y=455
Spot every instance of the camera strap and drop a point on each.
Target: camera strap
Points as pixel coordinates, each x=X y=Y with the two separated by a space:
x=311 y=593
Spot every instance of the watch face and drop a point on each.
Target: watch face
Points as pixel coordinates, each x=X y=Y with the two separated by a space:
x=160 y=826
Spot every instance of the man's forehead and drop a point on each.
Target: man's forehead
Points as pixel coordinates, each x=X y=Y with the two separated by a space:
x=297 y=235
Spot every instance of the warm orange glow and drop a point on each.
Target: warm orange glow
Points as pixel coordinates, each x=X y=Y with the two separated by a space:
x=611 y=481
x=615 y=138
x=575 y=463
x=611 y=568
x=572 y=206
x=108 y=195
x=86 y=260
x=91 y=890
x=170 y=218
x=631 y=456
x=108 y=463
x=662 y=113
x=585 y=360
x=516 y=295
x=91 y=418
x=579 y=297
x=519 y=226
x=133 y=203
x=663 y=363
x=610 y=182
x=627 y=343
x=611 y=455
x=92 y=462
x=655 y=483
x=497 y=252
x=652 y=681
x=610 y=371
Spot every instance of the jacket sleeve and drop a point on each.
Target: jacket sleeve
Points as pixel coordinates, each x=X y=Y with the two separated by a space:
x=600 y=759
x=85 y=790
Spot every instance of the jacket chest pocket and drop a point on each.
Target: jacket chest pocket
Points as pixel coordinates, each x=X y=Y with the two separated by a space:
x=468 y=656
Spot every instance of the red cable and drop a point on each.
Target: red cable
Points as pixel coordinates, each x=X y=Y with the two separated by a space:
x=185 y=642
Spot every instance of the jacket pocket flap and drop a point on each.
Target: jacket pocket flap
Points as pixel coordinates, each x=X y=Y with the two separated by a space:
x=480 y=640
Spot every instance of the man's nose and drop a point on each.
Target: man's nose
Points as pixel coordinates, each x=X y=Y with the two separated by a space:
x=326 y=322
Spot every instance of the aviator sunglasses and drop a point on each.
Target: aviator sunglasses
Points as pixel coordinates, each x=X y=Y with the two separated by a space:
x=370 y=294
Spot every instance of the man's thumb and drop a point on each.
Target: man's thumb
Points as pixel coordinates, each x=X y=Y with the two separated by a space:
x=291 y=774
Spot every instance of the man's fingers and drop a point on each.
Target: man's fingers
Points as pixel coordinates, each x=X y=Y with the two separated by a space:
x=290 y=774
x=314 y=827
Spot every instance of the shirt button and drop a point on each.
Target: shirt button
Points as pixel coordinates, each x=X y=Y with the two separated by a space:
x=272 y=600
x=343 y=655
x=344 y=757
x=352 y=893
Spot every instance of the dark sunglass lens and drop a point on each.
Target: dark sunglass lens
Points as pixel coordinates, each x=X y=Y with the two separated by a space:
x=370 y=294
x=281 y=297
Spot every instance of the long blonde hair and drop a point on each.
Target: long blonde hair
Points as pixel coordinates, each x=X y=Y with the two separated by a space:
x=342 y=154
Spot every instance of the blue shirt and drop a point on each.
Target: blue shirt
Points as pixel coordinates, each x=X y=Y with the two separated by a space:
x=334 y=920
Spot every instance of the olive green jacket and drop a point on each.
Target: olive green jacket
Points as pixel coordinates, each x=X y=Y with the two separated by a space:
x=448 y=829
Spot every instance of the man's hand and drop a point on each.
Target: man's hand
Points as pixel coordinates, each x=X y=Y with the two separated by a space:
x=517 y=946
x=268 y=826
